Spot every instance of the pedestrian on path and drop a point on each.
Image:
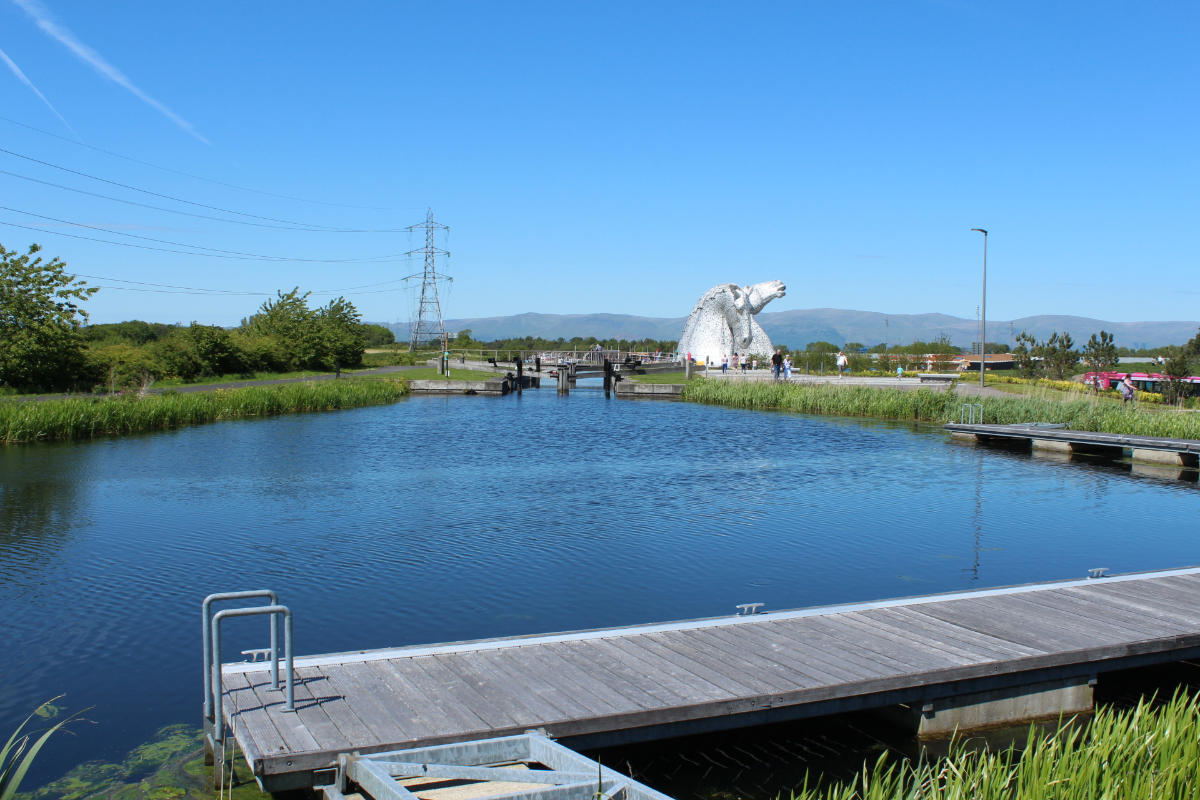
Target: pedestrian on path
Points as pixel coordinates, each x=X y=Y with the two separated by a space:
x=843 y=363
x=787 y=367
x=1128 y=392
x=776 y=364
x=724 y=365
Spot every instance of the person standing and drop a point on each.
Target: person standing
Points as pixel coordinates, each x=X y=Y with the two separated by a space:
x=787 y=367
x=724 y=365
x=776 y=364
x=735 y=363
x=843 y=363
x=1128 y=392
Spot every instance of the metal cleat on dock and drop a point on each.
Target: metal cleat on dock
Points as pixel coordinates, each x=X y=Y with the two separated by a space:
x=258 y=654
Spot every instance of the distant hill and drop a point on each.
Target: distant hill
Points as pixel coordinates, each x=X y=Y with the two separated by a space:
x=799 y=327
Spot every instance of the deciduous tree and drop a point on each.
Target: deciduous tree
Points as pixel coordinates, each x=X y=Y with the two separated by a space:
x=40 y=315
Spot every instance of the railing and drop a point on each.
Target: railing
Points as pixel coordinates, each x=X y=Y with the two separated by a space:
x=213 y=689
x=966 y=414
x=553 y=357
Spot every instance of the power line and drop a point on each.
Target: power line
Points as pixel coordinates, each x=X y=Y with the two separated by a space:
x=170 y=288
x=325 y=228
x=201 y=292
x=163 y=285
x=187 y=174
x=229 y=254
x=192 y=214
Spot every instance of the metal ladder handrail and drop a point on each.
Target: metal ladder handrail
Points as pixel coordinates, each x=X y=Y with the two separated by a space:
x=205 y=613
x=962 y=413
x=218 y=701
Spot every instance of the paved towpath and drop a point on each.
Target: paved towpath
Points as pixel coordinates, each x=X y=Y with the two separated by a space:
x=964 y=387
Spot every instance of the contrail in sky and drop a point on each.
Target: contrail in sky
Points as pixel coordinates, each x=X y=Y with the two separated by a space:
x=25 y=79
x=93 y=59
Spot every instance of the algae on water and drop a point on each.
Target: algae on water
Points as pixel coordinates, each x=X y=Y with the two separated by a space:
x=168 y=767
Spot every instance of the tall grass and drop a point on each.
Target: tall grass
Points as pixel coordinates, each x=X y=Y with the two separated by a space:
x=1082 y=414
x=23 y=746
x=86 y=418
x=1144 y=752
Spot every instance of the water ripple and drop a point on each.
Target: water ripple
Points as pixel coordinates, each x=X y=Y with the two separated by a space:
x=448 y=518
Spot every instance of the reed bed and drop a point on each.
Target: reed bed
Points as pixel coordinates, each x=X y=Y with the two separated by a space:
x=88 y=418
x=1081 y=413
x=1144 y=752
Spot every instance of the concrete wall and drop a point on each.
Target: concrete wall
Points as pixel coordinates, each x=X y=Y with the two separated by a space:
x=458 y=387
x=660 y=391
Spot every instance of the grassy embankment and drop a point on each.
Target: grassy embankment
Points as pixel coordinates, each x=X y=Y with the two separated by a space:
x=88 y=418
x=1080 y=412
x=1145 y=752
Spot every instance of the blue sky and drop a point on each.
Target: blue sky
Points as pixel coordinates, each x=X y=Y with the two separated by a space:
x=615 y=157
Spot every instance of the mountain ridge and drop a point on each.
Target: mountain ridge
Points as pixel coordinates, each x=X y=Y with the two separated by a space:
x=798 y=327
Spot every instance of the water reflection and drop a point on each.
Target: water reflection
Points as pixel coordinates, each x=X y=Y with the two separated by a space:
x=456 y=518
x=39 y=505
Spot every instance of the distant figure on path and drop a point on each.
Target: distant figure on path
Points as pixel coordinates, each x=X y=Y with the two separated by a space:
x=843 y=363
x=787 y=367
x=776 y=364
x=724 y=365
x=1128 y=392
x=899 y=372
x=735 y=362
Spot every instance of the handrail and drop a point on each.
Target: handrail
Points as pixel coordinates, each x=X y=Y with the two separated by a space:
x=963 y=416
x=218 y=704
x=205 y=608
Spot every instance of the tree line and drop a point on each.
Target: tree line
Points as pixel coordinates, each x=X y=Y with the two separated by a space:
x=46 y=344
x=465 y=341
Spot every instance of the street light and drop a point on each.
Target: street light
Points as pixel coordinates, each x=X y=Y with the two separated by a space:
x=983 y=312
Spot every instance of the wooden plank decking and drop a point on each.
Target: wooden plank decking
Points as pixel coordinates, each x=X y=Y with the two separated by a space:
x=719 y=671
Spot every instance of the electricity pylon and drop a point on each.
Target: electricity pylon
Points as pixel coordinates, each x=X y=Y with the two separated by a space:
x=428 y=324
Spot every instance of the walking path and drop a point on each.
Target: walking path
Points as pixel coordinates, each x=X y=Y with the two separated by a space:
x=964 y=386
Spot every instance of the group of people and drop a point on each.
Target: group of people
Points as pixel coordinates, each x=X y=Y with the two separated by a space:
x=742 y=360
x=781 y=365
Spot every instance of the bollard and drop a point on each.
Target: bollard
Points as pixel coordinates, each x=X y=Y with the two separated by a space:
x=563 y=380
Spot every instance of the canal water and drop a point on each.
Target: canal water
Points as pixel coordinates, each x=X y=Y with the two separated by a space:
x=444 y=518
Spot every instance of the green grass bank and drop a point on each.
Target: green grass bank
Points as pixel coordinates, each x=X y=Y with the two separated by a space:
x=925 y=405
x=1144 y=752
x=88 y=418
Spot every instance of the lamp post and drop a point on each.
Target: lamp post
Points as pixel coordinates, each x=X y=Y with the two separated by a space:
x=983 y=311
